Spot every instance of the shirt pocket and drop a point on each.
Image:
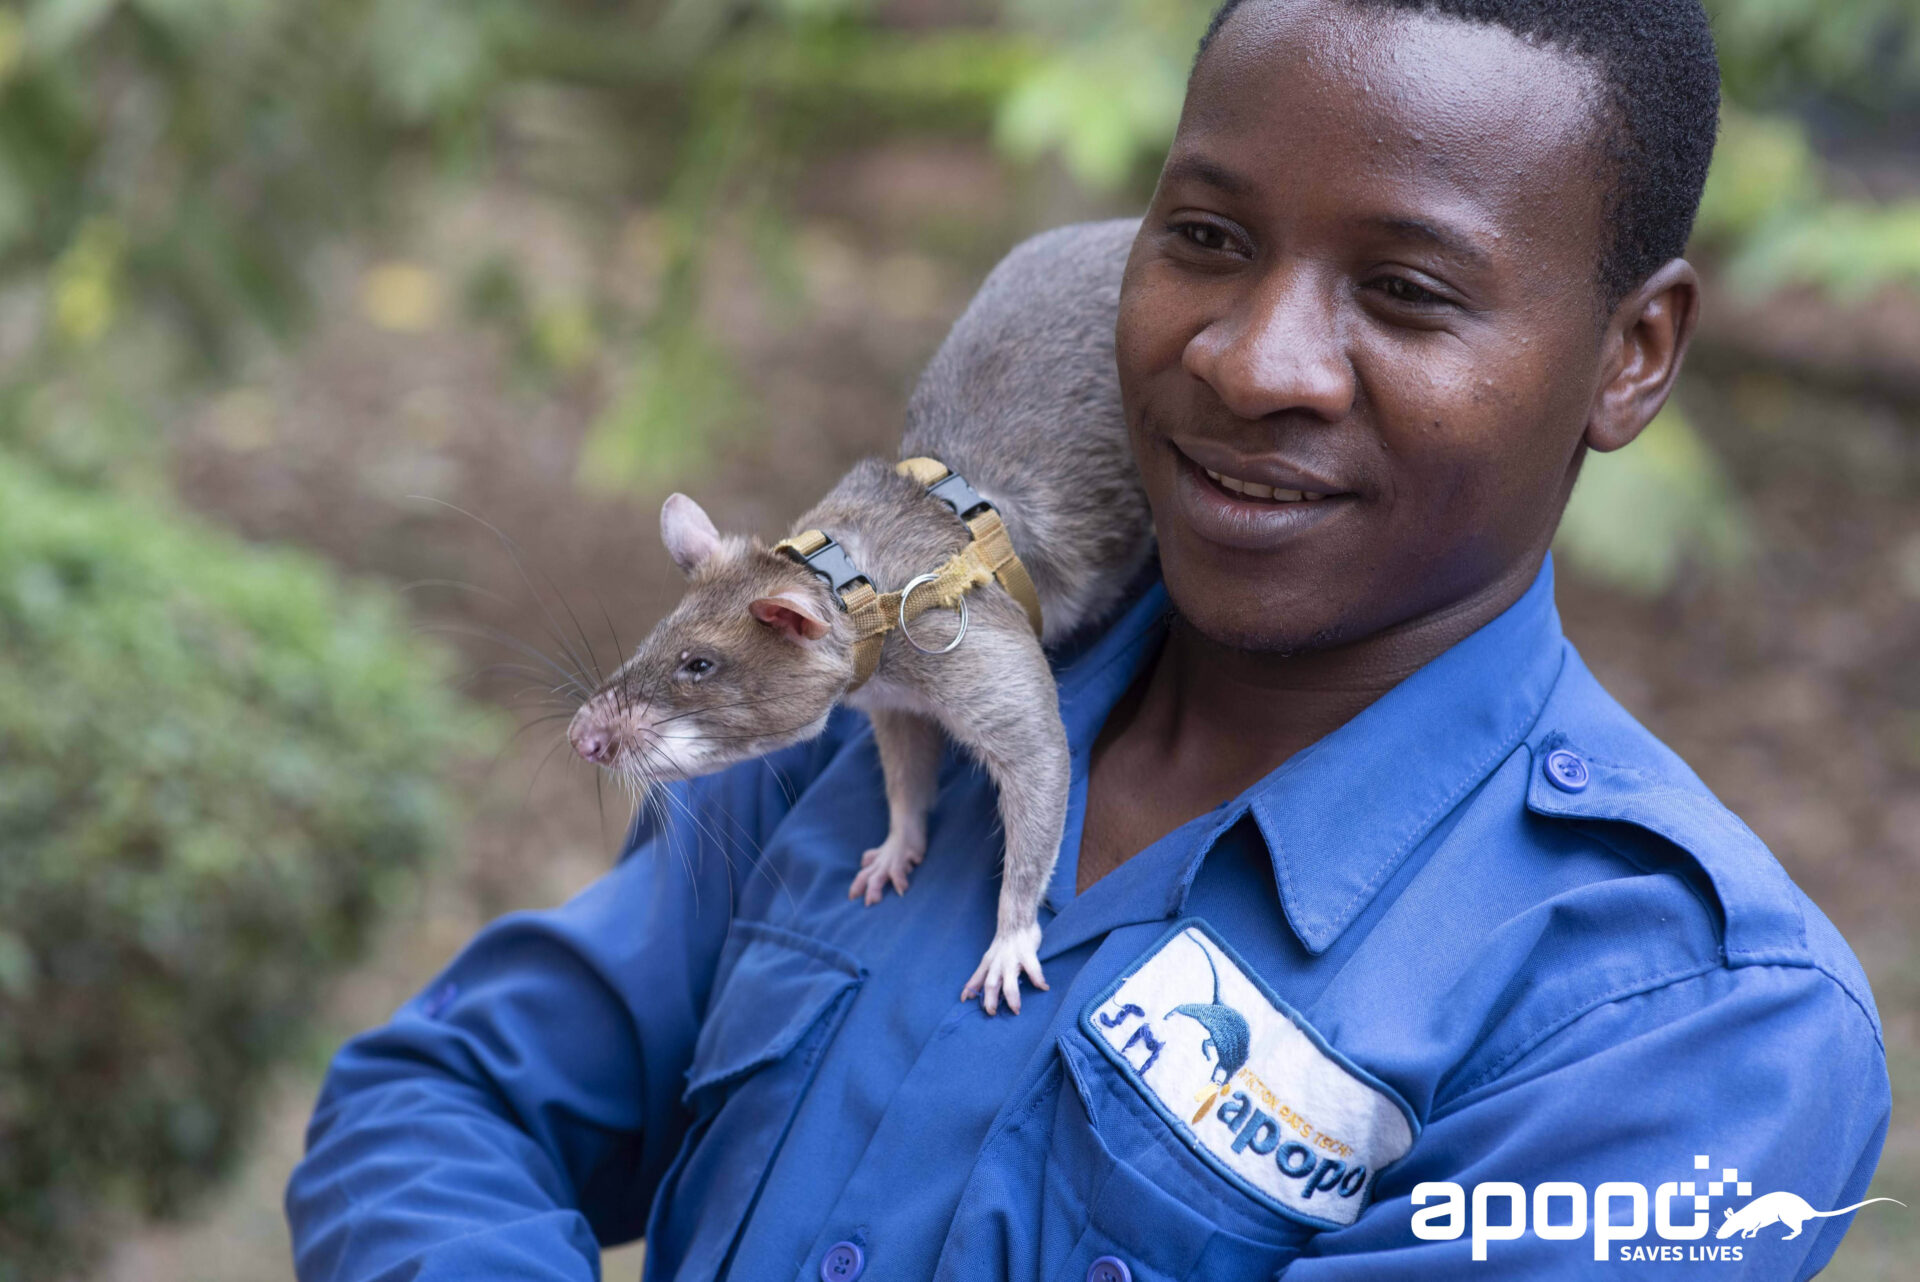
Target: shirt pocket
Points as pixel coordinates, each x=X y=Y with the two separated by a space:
x=778 y=1000
x=1080 y=1170
x=1148 y=1202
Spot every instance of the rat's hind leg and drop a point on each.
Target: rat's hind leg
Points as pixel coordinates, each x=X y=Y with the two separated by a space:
x=910 y=747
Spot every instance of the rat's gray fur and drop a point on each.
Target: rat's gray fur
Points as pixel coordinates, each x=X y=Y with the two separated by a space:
x=1023 y=400
x=1033 y=358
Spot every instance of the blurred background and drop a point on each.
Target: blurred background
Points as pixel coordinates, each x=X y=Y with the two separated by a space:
x=347 y=349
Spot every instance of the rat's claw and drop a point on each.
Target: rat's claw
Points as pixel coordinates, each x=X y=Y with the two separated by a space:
x=1007 y=958
x=887 y=864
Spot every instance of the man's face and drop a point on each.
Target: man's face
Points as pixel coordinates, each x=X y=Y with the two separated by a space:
x=1369 y=273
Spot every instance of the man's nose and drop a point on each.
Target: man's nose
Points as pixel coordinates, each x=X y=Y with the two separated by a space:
x=1278 y=351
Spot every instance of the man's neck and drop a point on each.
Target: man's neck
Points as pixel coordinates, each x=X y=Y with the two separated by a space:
x=1207 y=721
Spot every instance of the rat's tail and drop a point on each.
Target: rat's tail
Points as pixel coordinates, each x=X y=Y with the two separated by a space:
x=1857 y=1205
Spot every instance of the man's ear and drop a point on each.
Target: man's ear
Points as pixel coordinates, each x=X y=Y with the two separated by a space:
x=793 y=615
x=1646 y=340
x=688 y=534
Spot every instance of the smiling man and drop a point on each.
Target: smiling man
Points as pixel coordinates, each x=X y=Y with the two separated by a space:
x=1383 y=942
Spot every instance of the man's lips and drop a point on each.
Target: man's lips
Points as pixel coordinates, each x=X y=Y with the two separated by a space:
x=1259 y=475
x=1257 y=508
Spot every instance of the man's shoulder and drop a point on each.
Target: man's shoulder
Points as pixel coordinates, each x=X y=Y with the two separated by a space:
x=1598 y=770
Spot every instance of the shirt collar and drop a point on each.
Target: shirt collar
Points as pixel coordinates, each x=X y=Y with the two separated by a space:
x=1341 y=816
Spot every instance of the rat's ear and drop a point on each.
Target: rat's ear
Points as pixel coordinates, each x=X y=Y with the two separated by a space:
x=688 y=534
x=793 y=615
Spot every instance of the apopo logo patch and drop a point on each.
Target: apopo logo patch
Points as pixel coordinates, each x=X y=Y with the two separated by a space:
x=1616 y=1213
x=1246 y=1082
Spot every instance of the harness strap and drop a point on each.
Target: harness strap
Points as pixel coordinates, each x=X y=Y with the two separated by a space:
x=988 y=556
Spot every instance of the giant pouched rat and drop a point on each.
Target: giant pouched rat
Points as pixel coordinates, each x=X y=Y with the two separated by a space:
x=1022 y=400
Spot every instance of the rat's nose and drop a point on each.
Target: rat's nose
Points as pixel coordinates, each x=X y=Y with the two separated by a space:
x=593 y=742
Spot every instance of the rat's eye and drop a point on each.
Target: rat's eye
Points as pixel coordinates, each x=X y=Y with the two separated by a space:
x=694 y=667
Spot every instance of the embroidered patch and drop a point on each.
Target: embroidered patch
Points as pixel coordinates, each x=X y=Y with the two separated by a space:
x=1247 y=1082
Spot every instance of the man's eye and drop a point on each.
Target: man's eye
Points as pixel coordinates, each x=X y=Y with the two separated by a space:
x=1402 y=290
x=696 y=667
x=1204 y=235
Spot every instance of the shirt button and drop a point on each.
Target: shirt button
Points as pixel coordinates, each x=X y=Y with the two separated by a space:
x=843 y=1263
x=1109 y=1268
x=1567 y=770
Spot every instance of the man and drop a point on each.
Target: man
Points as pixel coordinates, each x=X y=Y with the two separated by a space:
x=1383 y=942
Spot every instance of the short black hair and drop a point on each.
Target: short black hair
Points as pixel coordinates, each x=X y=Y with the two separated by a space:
x=1661 y=77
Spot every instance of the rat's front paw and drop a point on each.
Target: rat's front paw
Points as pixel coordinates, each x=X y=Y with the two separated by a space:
x=887 y=864
x=1010 y=955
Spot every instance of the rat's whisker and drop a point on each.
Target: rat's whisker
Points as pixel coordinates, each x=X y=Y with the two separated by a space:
x=573 y=679
x=558 y=744
x=600 y=804
x=543 y=697
x=514 y=555
x=723 y=707
x=712 y=835
x=754 y=735
x=599 y=677
x=608 y=620
x=787 y=791
x=660 y=797
x=542 y=694
x=518 y=669
x=540 y=721
x=460 y=586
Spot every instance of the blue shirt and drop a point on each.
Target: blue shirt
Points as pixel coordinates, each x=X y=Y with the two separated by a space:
x=1507 y=937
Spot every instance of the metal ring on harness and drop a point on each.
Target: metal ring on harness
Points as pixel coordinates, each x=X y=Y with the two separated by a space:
x=906 y=632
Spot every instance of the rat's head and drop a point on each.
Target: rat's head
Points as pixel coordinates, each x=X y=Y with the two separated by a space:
x=1407 y=261
x=748 y=662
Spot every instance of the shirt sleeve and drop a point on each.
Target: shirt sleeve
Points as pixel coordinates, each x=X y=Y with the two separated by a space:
x=1774 y=1073
x=523 y=1108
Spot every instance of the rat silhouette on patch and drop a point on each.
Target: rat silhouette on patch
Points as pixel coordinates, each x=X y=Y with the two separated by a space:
x=1785 y=1208
x=1229 y=1037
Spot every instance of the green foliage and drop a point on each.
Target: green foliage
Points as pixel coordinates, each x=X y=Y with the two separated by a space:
x=764 y=87
x=1851 y=250
x=1865 y=53
x=216 y=765
x=169 y=164
x=681 y=396
x=1107 y=94
x=1770 y=211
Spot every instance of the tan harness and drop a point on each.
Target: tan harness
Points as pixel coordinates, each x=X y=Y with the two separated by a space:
x=989 y=556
